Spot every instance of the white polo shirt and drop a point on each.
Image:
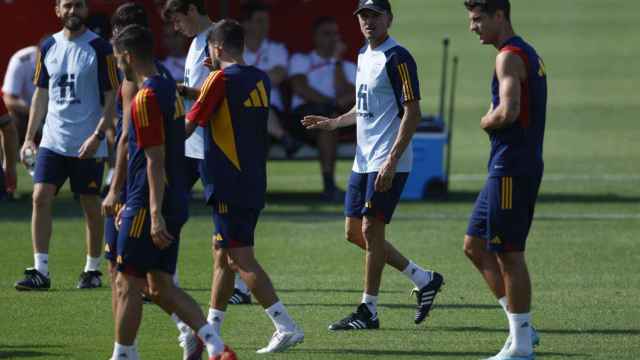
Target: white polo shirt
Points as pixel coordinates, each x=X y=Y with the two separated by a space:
x=320 y=73
x=18 y=80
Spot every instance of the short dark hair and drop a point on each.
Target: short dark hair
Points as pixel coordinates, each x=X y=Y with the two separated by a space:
x=490 y=6
x=252 y=7
x=135 y=39
x=230 y=34
x=86 y=2
x=322 y=20
x=130 y=13
x=182 y=6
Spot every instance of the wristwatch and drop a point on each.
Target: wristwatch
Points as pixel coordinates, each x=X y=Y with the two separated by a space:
x=99 y=134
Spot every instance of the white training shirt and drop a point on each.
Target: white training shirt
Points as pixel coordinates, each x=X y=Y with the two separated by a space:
x=320 y=73
x=386 y=79
x=270 y=54
x=76 y=73
x=195 y=73
x=18 y=80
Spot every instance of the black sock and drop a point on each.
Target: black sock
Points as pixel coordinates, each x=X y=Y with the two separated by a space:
x=328 y=181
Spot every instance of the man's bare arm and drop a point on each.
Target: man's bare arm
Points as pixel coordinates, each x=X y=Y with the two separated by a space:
x=511 y=73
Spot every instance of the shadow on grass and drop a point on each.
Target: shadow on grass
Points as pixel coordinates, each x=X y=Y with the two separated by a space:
x=20 y=351
x=544 y=330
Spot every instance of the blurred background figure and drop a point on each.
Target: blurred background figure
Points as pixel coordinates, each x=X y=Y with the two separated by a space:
x=176 y=46
x=272 y=58
x=8 y=153
x=323 y=84
x=18 y=87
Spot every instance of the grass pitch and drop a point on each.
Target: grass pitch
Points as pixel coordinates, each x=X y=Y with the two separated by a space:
x=583 y=250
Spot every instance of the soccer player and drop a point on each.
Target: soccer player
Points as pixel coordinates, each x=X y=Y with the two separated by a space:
x=190 y=18
x=386 y=114
x=502 y=215
x=156 y=202
x=233 y=108
x=8 y=150
x=75 y=77
x=18 y=86
x=132 y=13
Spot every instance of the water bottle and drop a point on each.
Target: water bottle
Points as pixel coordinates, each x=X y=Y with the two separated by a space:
x=29 y=158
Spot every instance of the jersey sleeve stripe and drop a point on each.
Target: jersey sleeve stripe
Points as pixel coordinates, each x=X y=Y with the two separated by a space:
x=179 y=106
x=403 y=79
x=113 y=72
x=207 y=85
x=409 y=84
x=36 y=75
x=408 y=95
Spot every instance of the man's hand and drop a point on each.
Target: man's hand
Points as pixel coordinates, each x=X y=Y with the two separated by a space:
x=25 y=158
x=89 y=147
x=384 y=180
x=109 y=204
x=159 y=234
x=313 y=122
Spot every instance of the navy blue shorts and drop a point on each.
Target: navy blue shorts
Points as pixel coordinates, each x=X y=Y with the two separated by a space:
x=194 y=171
x=111 y=236
x=362 y=199
x=235 y=226
x=503 y=212
x=85 y=175
x=137 y=255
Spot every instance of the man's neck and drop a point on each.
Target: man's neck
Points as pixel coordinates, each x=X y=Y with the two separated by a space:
x=144 y=72
x=231 y=60
x=202 y=23
x=254 y=43
x=374 y=43
x=507 y=34
x=70 y=35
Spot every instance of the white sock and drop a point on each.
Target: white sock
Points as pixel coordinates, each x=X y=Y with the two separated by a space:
x=371 y=302
x=216 y=318
x=107 y=180
x=92 y=264
x=122 y=352
x=182 y=327
x=280 y=317
x=213 y=342
x=520 y=329
x=419 y=276
x=240 y=285
x=175 y=279
x=503 y=302
x=41 y=263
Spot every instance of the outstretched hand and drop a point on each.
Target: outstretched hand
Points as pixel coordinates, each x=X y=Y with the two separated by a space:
x=314 y=122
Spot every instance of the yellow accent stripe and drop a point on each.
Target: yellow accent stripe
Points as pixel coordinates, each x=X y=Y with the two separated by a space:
x=179 y=106
x=134 y=224
x=36 y=75
x=409 y=84
x=404 y=81
x=113 y=72
x=223 y=133
x=255 y=99
x=406 y=84
x=502 y=193
x=143 y=217
x=263 y=93
x=510 y=193
x=248 y=103
x=206 y=86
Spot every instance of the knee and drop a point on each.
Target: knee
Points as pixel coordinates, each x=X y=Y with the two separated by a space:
x=124 y=288
x=372 y=233
x=41 y=199
x=473 y=247
x=354 y=236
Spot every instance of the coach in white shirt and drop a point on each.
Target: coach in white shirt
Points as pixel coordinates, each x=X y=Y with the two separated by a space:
x=323 y=84
x=273 y=58
x=18 y=87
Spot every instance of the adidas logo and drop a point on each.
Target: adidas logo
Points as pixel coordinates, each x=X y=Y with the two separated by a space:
x=496 y=241
x=216 y=319
x=207 y=337
x=413 y=271
x=525 y=325
x=258 y=97
x=276 y=314
x=93 y=185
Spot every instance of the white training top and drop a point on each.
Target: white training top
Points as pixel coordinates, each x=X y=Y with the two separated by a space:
x=320 y=73
x=386 y=79
x=18 y=80
x=76 y=73
x=270 y=55
x=195 y=73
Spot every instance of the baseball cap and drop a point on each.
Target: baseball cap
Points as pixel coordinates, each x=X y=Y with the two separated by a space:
x=379 y=6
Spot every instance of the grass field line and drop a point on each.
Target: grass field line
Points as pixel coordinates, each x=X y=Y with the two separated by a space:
x=559 y=177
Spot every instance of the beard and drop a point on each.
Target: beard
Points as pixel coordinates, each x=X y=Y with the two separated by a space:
x=73 y=22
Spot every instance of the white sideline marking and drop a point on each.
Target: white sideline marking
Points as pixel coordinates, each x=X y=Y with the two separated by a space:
x=458 y=216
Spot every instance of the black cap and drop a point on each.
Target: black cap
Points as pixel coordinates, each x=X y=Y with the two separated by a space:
x=379 y=6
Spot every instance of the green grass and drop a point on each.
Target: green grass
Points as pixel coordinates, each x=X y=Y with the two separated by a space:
x=583 y=249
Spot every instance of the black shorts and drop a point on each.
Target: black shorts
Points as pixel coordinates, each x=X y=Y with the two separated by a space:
x=503 y=212
x=85 y=175
x=235 y=226
x=362 y=199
